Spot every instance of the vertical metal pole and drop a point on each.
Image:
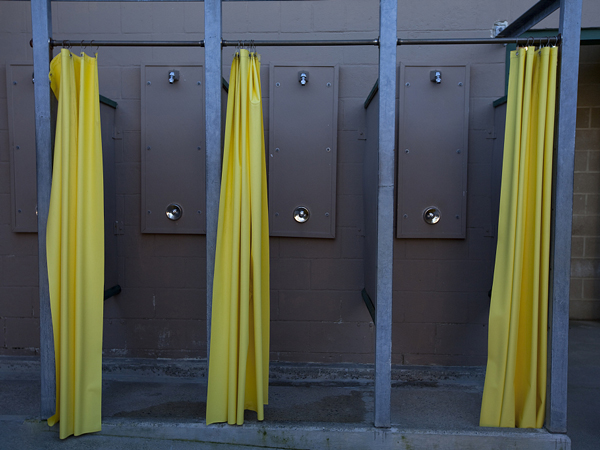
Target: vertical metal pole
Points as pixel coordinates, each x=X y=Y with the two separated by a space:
x=560 y=274
x=41 y=19
x=385 y=210
x=212 y=78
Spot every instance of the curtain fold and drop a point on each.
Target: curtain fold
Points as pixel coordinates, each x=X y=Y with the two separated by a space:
x=238 y=373
x=75 y=245
x=515 y=384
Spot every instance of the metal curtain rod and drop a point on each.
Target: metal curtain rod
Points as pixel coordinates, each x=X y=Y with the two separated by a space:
x=295 y=43
x=101 y=43
x=549 y=40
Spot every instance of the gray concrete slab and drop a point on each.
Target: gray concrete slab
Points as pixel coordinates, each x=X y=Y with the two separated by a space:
x=160 y=404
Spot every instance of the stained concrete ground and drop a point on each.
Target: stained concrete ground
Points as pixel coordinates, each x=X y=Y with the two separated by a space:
x=162 y=406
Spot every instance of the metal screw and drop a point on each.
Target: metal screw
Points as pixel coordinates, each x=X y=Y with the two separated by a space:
x=458 y=150
x=271 y=155
x=276 y=214
x=148 y=83
x=148 y=148
x=406 y=151
x=328 y=149
x=277 y=84
x=405 y=216
x=19 y=211
x=328 y=84
x=407 y=84
x=457 y=216
x=277 y=149
x=199 y=212
x=18 y=147
x=149 y=212
x=199 y=148
x=199 y=83
x=460 y=83
x=14 y=82
x=326 y=214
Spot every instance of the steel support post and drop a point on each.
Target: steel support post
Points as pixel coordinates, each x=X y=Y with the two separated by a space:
x=560 y=270
x=212 y=86
x=41 y=20
x=385 y=210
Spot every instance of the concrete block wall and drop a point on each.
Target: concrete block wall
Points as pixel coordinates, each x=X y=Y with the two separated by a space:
x=317 y=313
x=585 y=250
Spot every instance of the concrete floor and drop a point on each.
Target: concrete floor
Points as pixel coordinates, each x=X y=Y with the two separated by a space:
x=158 y=406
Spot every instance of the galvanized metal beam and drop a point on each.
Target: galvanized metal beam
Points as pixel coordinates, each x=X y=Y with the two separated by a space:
x=212 y=85
x=41 y=19
x=530 y=18
x=385 y=210
x=560 y=258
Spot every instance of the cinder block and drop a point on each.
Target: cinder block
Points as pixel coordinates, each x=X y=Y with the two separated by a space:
x=166 y=334
x=264 y=17
x=19 y=271
x=274 y=305
x=584 y=310
x=22 y=332
x=310 y=248
x=465 y=276
x=133 y=244
x=362 y=16
x=586 y=225
x=296 y=17
x=194 y=17
x=353 y=241
x=181 y=304
x=13 y=17
x=131 y=148
x=17 y=301
x=481 y=114
x=591 y=289
x=595 y=118
x=338 y=274
x=361 y=54
x=168 y=18
x=353 y=307
x=136 y=18
x=579 y=204
x=413 y=338
x=576 y=288
x=352 y=112
x=357 y=81
x=310 y=306
x=433 y=307
x=131 y=210
x=234 y=17
x=487 y=80
x=128 y=178
x=290 y=274
x=104 y=18
x=350 y=211
x=131 y=303
x=109 y=81
x=585 y=268
x=594 y=160
x=415 y=275
x=592 y=247
x=114 y=335
x=5 y=206
x=588 y=73
x=289 y=336
x=587 y=139
x=577 y=246
x=479 y=210
x=481 y=146
x=350 y=149
x=592 y=205
x=350 y=179
x=588 y=95
x=72 y=20
x=583 y=118
x=461 y=339
x=341 y=337
x=479 y=178
x=329 y=16
x=128 y=115
x=481 y=245
x=180 y=245
x=130 y=82
x=581 y=161
x=479 y=308
x=434 y=249
x=4 y=149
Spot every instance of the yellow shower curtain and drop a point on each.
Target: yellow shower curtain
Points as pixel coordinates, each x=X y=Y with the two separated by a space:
x=515 y=384
x=238 y=375
x=75 y=245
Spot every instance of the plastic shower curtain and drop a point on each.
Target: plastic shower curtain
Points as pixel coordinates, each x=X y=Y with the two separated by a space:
x=515 y=384
x=238 y=375
x=75 y=245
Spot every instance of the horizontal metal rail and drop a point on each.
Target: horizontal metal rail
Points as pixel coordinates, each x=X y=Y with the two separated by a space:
x=296 y=43
x=102 y=43
x=549 y=40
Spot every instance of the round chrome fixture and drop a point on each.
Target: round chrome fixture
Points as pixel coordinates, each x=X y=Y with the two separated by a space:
x=301 y=214
x=432 y=215
x=174 y=211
